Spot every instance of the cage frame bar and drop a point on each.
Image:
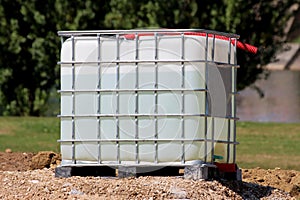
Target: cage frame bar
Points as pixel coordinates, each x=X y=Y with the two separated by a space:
x=118 y=97
x=156 y=98
x=136 y=99
x=182 y=98
x=114 y=32
x=206 y=107
x=99 y=96
x=73 y=101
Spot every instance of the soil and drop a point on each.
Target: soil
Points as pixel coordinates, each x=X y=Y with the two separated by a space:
x=31 y=176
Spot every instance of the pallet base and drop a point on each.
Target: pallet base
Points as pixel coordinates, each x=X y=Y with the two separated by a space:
x=195 y=172
x=68 y=171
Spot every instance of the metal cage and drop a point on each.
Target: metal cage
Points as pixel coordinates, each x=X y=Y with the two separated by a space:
x=159 y=97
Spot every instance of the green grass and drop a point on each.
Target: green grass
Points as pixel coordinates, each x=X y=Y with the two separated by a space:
x=297 y=40
x=265 y=145
x=268 y=145
x=29 y=134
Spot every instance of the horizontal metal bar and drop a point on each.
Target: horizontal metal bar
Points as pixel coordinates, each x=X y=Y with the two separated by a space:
x=147 y=140
x=224 y=65
x=146 y=115
x=132 y=140
x=136 y=115
x=231 y=118
x=180 y=61
x=114 y=32
x=135 y=90
x=235 y=93
x=125 y=163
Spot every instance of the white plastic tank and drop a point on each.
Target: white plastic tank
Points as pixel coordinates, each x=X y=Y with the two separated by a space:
x=147 y=97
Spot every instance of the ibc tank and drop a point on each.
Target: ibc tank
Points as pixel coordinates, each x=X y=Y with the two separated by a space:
x=147 y=97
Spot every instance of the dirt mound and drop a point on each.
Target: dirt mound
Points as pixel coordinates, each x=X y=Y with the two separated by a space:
x=15 y=161
x=45 y=159
x=33 y=184
x=287 y=180
x=18 y=161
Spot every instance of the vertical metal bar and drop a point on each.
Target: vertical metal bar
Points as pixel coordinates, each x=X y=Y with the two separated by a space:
x=229 y=125
x=213 y=48
x=61 y=40
x=212 y=139
x=73 y=99
x=206 y=98
x=117 y=96
x=228 y=140
x=212 y=117
x=233 y=105
x=137 y=161
x=182 y=98
x=234 y=51
x=156 y=98
x=99 y=98
x=229 y=50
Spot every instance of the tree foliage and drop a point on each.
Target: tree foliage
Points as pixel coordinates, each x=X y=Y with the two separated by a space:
x=30 y=49
x=259 y=22
x=29 y=45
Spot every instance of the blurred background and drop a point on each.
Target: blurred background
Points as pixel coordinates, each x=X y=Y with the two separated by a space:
x=29 y=47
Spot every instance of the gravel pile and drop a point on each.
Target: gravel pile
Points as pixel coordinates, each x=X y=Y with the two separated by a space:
x=41 y=184
x=31 y=176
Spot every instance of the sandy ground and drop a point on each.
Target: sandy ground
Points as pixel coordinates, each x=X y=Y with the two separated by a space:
x=30 y=176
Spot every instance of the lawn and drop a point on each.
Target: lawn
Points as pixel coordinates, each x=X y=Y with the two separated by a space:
x=265 y=145
x=268 y=145
x=297 y=40
x=29 y=134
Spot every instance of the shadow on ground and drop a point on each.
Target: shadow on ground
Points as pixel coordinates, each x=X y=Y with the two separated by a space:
x=249 y=190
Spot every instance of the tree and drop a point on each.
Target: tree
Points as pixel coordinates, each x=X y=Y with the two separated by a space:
x=29 y=49
x=260 y=23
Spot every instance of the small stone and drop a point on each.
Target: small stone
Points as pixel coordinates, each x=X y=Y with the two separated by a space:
x=8 y=150
x=66 y=185
x=76 y=192
x=178 y=192
x=34 y=181
x=260 y=180
x=46 y=190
